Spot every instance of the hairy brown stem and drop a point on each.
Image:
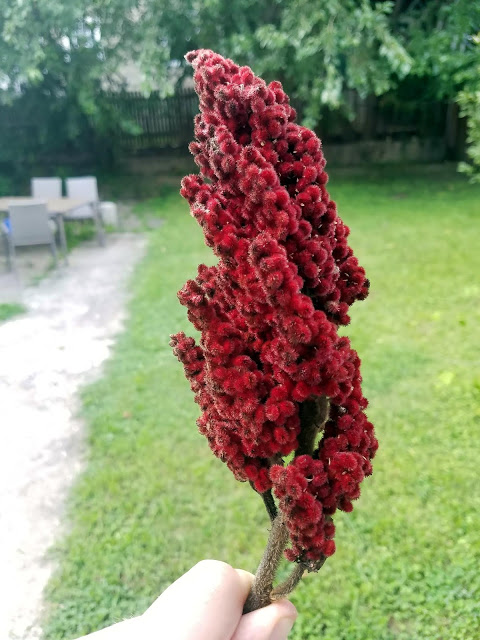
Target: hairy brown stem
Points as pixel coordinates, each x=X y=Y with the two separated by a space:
x=288 y=585
x=313 y=416
x=260 y=594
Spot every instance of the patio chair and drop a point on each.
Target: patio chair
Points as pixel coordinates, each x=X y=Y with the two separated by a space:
x=86 y=189
x=46 y=188
x=28 y=225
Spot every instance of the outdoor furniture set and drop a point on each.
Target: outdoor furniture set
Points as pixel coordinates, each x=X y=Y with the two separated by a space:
x=35 y=220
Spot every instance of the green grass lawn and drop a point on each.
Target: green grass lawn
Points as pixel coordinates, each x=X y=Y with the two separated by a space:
x=10 y=310
x=153 y=500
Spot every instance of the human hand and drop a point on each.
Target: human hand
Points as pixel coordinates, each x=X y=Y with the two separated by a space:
x=206 y=603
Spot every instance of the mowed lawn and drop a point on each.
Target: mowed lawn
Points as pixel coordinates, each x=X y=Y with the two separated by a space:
x=153 y=500
x=10 y=310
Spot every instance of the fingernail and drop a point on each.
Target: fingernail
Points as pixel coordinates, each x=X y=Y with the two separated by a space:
x=282 y=629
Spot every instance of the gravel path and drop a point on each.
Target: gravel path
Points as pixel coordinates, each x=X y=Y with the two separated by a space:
x=45 y=356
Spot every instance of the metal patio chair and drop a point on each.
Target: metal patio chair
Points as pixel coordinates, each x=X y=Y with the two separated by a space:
x=28 y=225
x=86 y=189
x=45 y=188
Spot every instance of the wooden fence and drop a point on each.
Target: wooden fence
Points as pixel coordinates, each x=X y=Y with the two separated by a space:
x=155 y=122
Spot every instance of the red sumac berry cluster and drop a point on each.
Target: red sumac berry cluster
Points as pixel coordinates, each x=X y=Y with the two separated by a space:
x=269 y=310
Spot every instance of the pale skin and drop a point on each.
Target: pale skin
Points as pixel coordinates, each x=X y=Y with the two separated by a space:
x=206 y=603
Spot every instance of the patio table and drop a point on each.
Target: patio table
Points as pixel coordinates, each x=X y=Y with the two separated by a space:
x=57 y=208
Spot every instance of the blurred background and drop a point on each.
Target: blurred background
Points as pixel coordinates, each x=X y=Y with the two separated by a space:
x=101 y=462
x=102 y=85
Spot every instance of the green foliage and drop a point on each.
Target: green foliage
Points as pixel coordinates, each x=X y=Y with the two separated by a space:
x=320 y=50
x=5 y=186
x=469 y=102
x=153 y=500
x=440 y=38
x=57 y=57
x=62 y=44
x=8 y=311
x=316 y=49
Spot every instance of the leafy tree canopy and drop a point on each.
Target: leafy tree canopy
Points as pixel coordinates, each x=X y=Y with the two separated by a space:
x=42 y=38
x=54 y=57
x=317 y=49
